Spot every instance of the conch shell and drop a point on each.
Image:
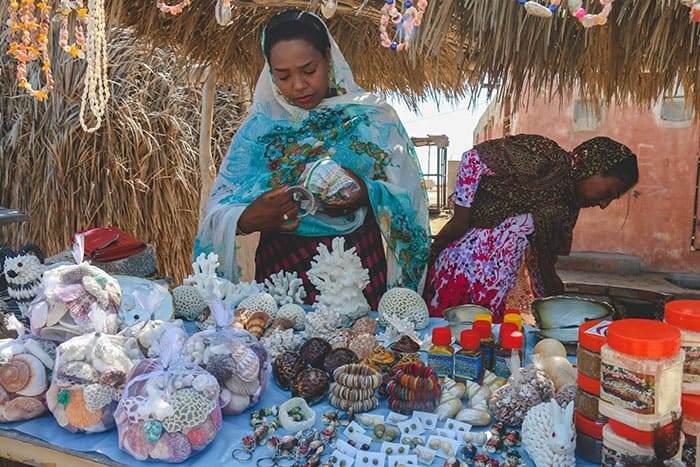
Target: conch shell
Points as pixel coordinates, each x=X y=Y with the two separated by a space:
x=256 y=323
x=224 y=15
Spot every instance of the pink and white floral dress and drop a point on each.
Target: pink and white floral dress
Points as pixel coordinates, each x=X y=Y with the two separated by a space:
x=482 y=266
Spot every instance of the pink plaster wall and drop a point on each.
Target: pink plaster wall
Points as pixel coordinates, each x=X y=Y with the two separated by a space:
x=654 y=220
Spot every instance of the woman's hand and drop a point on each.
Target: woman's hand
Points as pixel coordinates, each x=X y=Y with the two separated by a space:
x=274 y=210
x=346 y=206
x=454 y=229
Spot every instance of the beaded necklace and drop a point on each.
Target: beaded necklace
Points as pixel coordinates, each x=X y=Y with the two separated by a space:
x=29 y=23
x=96 y=90
x=65 y=9
x=586 y=19
x=405 y=23
x=175 y=9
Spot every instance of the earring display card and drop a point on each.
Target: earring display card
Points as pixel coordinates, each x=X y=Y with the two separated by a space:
x=338 y=459
x=394 y=448
x=352 y=428
x=411 y=427
x=370 y=420
x=396 y=461
x=370 y=459
x=345 y=448
x=429 y=420
x=444 y=447
x=452 y=424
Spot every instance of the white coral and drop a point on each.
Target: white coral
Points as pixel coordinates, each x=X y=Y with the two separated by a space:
x=322 y=323
x=286 y=288
x=548 y=434
x=261 y=301
x=340 y=279
x=404 y=304
x=281 y=341
x=294 y=312
x=214 y=287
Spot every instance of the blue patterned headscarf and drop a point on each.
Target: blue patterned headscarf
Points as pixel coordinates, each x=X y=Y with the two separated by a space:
x=356 y=129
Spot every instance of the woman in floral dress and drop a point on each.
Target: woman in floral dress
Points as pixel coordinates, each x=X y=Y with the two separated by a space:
x=516 y=193
x=307 y=107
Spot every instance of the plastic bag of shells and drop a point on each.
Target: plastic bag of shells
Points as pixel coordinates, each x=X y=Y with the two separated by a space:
x=88 y=379
x=148 y=334
x=238 y=361
x=169 y=409
x=25 y=365
x=70 y=294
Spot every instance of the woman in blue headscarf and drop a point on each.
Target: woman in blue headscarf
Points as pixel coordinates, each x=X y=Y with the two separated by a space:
x=307 y=107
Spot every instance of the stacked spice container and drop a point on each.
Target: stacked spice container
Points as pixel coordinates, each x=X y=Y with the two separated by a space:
x=592 y=335
x=640 y=392
x=685 y=315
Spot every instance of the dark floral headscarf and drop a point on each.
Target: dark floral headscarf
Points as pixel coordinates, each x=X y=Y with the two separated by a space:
x=533 y=174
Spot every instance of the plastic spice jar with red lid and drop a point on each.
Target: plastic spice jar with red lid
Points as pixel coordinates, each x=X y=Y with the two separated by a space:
x=641 y=372
x=691 y=427
x=685 y=315
x=589 y=438
x=592 y=335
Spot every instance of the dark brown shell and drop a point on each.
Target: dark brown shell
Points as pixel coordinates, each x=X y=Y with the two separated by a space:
x=286 y=367
x=339 y=357
x=405 y=345
x=311 y=384
x=314 y=351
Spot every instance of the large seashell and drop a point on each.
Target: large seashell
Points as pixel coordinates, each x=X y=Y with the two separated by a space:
x=286 y=367
x=247 y=362
x=256 y=322
x=338 y=357
x=474 y=417
x=281 y=323
x=537 y=9
x=448 y=408
x=314 y=351
x=223 y=13
x=363 y=344
x=15 y=374
x=23 y=408
x=78 y=414
x=311 y=384
x=340 y=338
x=365 y=325
x=37 y=383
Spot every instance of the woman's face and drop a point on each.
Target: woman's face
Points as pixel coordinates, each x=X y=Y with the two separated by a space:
x=300 y=72
x=599 y=190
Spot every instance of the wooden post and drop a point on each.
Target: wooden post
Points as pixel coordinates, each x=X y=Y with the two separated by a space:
x=206 y=162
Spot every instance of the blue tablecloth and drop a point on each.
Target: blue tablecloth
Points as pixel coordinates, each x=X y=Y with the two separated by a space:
x=228 y=438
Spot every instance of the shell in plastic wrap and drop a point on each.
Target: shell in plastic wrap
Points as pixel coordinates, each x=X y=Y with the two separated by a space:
x=168 y=414
x=148 y=334
x=340 y=280
x=70 y=297
x=286 y=288
x=88 y=379
x=25 y=363
x=237 y=359
x=404 y=304
x=286 y=367
x=328 y=181
x=312 y=384
x=314 y=351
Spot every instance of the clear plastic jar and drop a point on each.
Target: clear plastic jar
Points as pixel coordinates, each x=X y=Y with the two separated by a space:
x=685 y=315
x=691 y=428
x=619 y=450
x=592 y=335
x=641 y=373
x=589 y=438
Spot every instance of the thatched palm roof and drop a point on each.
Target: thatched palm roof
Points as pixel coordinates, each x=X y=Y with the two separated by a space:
x=647 y=47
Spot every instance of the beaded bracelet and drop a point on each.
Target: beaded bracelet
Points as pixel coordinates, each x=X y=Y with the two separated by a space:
x=395 y=390
x=365 y=405
x=357 y=376
x=416 y=377
x=351 y=394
